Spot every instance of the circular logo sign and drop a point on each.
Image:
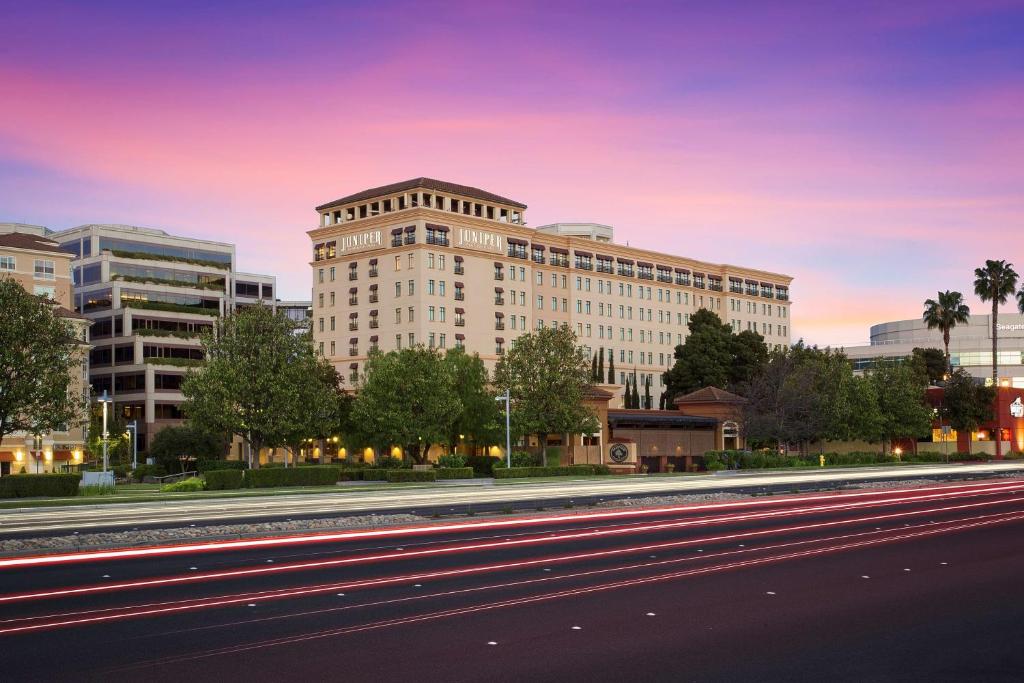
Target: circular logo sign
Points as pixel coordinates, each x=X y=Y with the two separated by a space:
x=619 y=453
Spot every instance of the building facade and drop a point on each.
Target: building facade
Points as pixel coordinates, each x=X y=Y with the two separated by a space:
x=970 y=346
x=31 y=258
x=149 y=296
x=445 y=265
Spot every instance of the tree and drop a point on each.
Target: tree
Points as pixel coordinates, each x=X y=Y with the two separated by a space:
x=480 y=419
x=119 y=444
x=781 y=401
x=647 y=393
x=900 y=388
x=634 y=398
x=39 y=357
x=932 y=362
x=260 y=380
x=611 y=370
x=945 y=312
x=713 y=356
x=995 y=282
x=546 y=374
x=749 y=354
x=967 y=403
x=600 y=367
x=593 y=369
x=178 y=448
x=407 y=398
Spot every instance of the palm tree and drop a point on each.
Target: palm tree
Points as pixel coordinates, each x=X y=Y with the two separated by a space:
x=945 y=313
x=995 y=282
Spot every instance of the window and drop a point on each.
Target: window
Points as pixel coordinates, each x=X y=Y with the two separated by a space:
x=430 y=313
x=398 y=289
x=430 y=287
x=412 y=260
x=412 y=339
x=7 y=263
x=440 y=288
x=398 y=263
x=332 y=323
x=398 y=341
x=320 y=300
x=411 y=312
x=320 y=275
x=441 y=342
x=540 y=277
x=398 y=315
x=498 y=272
x=321 y=324
x=430 y=256
x=540 y=302
x=333 y=272
x=441 y=318
x=440 y=266
x=412 y=287
x=48 y=291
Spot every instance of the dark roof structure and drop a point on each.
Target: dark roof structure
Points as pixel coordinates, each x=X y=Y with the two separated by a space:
x=21 y=240
x=426 y=184
x=709 y=395
x=657 y=418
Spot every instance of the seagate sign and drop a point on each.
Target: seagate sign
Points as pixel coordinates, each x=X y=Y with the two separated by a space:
x=372 y=239
x=480 y=240
x=619 y=453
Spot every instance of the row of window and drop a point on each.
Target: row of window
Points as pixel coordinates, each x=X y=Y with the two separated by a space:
x=42 y=269
x=426 y=200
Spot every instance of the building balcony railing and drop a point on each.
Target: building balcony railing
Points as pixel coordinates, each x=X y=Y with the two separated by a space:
x=353 y=275
x=604 y=269
x=498 y=325
x=583 y=265
x=715 y=288
x=374 y=324
x=645 y=276
x=499 y=301
x=735 y=290
x=766 y=294
x=353 y=326
x=665 y=278
x=459 y=295
x=374 y=298
x=782 y=296
x=353 y=301
x=460 y=322
x=373 y=272
x=459 y=270
x=439 y=241
x=499 y=275
x=410 y=238
x=396 y=241
x=353 y=350
x=353 y=376
x=538 y=258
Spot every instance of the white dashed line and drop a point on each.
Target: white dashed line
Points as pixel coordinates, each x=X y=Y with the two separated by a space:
x=905 y=569
x=491 y=642
x=944 y=564
x=865 y=576
x=252 y=604
x=577 y=628
x=193 y=568
x=106 y=576
x=771 y=592
x=650 y=614
x=341 y=595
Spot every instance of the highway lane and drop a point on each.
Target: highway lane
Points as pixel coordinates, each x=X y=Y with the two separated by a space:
x=443 y=500
x=840 y=586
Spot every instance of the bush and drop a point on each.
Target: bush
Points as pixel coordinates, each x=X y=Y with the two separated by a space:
x=375 y=474
x=451 y=460
x=411 y=475
x=190 y=484
x=483 y=465
x=561 y=471
x=602 y=469
x=968 y=457
x=292 y=476
x=524 y=459
x=31 y=485
x=220 y=480
x=554 y=454
x=388 y=462
x=206 y=465
x=148 y=471
x=350 y=474
x=454 y=472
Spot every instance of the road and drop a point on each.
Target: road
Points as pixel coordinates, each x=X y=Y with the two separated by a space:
x=445 y=499
x=918 y=584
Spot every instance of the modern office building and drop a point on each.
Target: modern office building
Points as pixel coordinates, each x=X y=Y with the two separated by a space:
x=445 y=265
x=970 y=345
x=149 y=296
x=31 y=258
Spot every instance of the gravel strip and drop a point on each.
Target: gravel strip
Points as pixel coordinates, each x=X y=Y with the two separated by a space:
x=672 y=500
x=902 y=484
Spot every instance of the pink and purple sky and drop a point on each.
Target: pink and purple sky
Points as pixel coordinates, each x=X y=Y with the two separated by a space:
x=873 y=150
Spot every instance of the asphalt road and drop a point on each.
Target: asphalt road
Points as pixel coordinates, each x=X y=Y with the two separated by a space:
x=868 y=585
x=452 y=499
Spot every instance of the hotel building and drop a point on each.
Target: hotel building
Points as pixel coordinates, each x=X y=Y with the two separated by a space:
x=431 y=262
x=149 y=296
x=30 y=257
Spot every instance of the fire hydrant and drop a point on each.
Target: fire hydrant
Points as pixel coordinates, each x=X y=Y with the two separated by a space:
x=821 y=460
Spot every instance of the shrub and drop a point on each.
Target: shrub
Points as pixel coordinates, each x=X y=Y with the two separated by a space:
x=524 y=459
x=451 y=460
x=454 y=472
x=219 y=480
x=561 y=471
x=148 y=471
x=482 y=465
x=350 y=474
x=292 y=476
x=31 y=485
x=388 y=462
x=602 y=469
x=375 y=474
x=190 y=484
x=968 y=457
x=205 y=465
x=411 y=475
x=554 y=454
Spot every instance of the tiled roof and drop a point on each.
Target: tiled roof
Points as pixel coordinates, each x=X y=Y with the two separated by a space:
x=709 y=395
x=69 y=314
x=426 y=184
x=596 y=393
x=21 y=240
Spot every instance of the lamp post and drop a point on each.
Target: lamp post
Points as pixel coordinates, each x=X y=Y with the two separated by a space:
x=506 y=397
x=133 y=426
x=105 y=400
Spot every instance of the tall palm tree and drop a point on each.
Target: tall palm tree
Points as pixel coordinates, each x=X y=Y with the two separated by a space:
x=946 y=312
x=995 y=282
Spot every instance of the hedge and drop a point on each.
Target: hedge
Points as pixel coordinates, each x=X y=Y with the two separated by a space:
x=743 y=460
x=561 y=471
x=454 y=472
x=292 y=476
x=219 y=480
x=482 y=465
x=375 y=474
x=31 y=485
x=190 y=484
x=411 y=475
x=206 y=465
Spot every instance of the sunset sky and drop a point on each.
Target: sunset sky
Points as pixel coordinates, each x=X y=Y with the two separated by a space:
x=872 y=150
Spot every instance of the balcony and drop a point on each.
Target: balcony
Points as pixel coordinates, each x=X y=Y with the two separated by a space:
x=353 y=350
x=353 y=275
x=410 y=238
x=373 y=298
x=459 y=270
x=645 y=276
x=715 y=287
x=353 y=377
x=665 y=278
x=459 y=295
x=373 y=272
x=782 y=296
x=374 y=324
x=353 y=326
x=438 y=240
x=499 y=325
x=735 y=290
x=498 y=275
x=353 y=300
x=604 y=269
x=538 y=258
x=766 y=293
x=460 y=322
x=396 y=241
x=499 y=301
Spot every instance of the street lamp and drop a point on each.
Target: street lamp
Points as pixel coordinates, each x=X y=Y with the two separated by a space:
x=506 y=397
x=105 y=400
x=133 y=426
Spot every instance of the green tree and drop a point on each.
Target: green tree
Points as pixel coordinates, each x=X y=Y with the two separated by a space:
x=900 y=388
x=932 y=362
x=781 y=401
x=260 y=380
x=119 y=445
x=600 y=367
x=593 y=369
x=634 y=398
x=178 y=448
x=967 y=403
x=749 y=354
x=39 y=356
x=546 y=374
x=406 y=398
x=705 y=358
x=611 y=370
x=647 y=393
x=480 y=419
x=995 y=282
x=945 y=312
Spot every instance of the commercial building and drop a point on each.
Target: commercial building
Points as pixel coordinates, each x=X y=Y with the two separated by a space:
x=970 y=346
x=149 y=296
x=431 y=262
x=30 y=257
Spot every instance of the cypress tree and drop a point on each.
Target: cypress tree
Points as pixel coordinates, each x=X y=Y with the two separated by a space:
x=600 y=366
x=647 y=394
x=611 y=370
x=593 y=368
x=636 y=392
